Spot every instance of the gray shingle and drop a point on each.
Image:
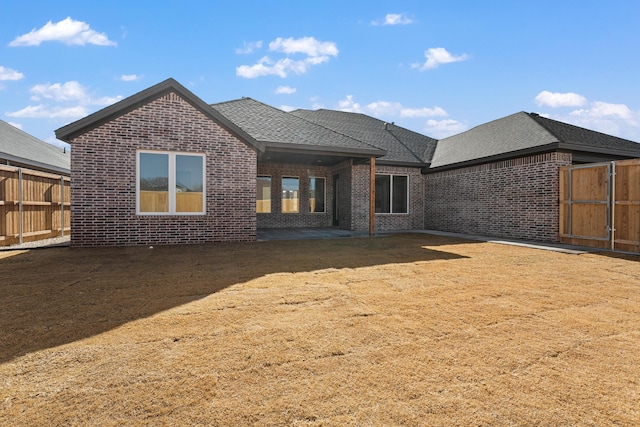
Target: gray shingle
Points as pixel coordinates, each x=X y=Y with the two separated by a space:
x=508 y=134
x=271 y=125
x=525 y=133
x=570 y=134
x=18 y=146
x=401 y=145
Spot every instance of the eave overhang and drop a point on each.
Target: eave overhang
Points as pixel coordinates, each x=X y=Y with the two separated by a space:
x=555 y=146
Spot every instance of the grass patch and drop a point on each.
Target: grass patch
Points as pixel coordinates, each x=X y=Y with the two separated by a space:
x=397 y=330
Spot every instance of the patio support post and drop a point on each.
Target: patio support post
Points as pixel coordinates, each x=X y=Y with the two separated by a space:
x=372 y=196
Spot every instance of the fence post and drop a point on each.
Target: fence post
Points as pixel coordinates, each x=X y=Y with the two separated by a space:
x=62 y=206
x=569 y=200
x=612 y=202
x=20 y=203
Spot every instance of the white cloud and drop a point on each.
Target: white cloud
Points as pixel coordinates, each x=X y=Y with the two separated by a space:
x=265 y=67
x=317 y=53
x=67 y=31
x=287 y=108
x=249 y=47
x=130 y=77
x=9 y=74
x=443 y=128
x=555 y=99
x=71 y=101
x=349 y=105
x=383 y=108
x=59 y=91
x=423 y=112
x=43 y=111
x=287 y=90
x=406 y=116
x=613 y=119
x=600 y=110
x=105 y=100
x=394 y=19
x=389 y=109
x=69 y=91
x=605 y=117
x=15 y=125
x=306 y=45
x=437 y=56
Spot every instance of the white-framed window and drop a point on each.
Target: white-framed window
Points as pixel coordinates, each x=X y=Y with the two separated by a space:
x=317 y=195
x=290 y=194
x=263 y=194
x=170 y=183
x=392 y=194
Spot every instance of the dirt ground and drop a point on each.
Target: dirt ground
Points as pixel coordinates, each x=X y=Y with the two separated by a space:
x=397 y=330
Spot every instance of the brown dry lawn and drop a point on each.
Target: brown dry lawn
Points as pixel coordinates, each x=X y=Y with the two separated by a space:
x=397 y=330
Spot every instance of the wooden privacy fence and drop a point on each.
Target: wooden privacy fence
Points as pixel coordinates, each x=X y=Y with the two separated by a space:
x=600 y=205
x=33 y=205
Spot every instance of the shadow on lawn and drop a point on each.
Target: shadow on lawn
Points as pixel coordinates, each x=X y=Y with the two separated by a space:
x=55 y=296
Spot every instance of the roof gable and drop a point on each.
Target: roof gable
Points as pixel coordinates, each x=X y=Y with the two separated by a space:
x=20 y=147
x=71 y=131
x=401 y=145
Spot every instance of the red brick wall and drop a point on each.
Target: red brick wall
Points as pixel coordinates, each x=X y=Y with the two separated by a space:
x=353 y=198
x=414 y=219
x=103 y=182
x=510 y=199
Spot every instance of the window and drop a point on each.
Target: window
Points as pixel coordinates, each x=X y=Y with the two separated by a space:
x=263 y=199
x=392 y=194
x=316 y=195
x=170 y=183
x=290 y=190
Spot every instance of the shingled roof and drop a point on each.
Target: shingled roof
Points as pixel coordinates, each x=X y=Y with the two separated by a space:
x=279 y=130
x=524 y=134
x=20 y=148
x=403 y=147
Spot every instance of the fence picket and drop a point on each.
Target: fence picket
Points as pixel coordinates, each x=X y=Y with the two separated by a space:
x=33 y=205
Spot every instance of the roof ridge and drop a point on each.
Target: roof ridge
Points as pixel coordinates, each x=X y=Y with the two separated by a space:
x=405 y=146
x=369 y=117
x=337 y=132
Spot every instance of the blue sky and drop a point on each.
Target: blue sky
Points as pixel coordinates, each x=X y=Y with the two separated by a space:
x=438 y=68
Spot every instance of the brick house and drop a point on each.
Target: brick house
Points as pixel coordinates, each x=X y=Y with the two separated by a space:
x=501 y=178
x=164 y=167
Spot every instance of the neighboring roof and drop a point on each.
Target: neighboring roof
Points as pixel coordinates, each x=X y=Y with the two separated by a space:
x=524 y=134
x=281 y=131
x=587 y=140
x=402 y=145
x=69 y=132
x=21 y=148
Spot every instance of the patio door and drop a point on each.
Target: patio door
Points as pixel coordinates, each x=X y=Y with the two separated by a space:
x=336 y=205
